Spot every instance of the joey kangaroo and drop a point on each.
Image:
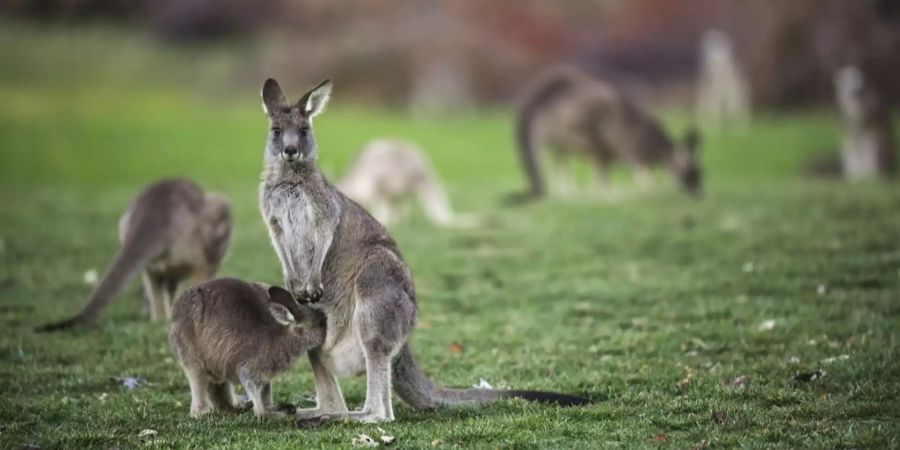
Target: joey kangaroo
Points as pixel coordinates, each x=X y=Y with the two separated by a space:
x=388 y=172
x=869 y=148
x=173 y=231
x=228 y=331
x=573 y=114
x=336 y=255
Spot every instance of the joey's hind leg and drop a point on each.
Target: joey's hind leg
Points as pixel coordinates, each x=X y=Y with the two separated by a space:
x=222 y=396
x=200 y=395
x=255 y=387
x=329 y=399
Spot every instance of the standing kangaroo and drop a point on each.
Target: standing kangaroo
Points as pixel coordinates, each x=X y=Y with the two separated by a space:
x=573 y=114
x=335 y=254
x=387 y=173
x=173 y=231
x=228 y=331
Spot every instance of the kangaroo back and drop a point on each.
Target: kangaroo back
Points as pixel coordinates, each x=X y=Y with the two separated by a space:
x=157 y=215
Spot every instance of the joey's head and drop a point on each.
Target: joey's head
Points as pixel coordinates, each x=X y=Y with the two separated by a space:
x=299 y=318
x=291 y=141
x=686 y=163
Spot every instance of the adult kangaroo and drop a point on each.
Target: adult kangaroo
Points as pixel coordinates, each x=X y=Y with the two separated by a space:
x=335 y=255
x=173 y=232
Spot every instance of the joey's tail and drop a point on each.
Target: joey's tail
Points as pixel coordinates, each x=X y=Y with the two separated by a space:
x=529 y=111
x=133 y=256
x=418 y=391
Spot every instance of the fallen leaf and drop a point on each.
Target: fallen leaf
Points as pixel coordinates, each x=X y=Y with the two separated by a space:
x=834 y=359
x=456 y=347
x=804 y=377
x=767 y=325
x=436 y=442
x=739 y=382
x=147 y=432
x=719 y=417
x=387 y=439
x=822 y=289
x=661 y=437
x=133 y=382
x=364 y=440
x=90 y=277
x=482 y=384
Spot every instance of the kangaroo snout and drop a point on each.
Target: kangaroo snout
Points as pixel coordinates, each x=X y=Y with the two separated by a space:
x=291 y=152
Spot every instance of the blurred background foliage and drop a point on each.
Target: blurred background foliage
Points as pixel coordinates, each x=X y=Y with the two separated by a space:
x=475 y=53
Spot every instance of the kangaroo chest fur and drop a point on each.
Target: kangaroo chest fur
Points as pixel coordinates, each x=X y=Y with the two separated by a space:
x=295 y=214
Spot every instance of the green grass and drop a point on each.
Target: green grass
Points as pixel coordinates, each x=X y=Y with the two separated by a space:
x=650 y=306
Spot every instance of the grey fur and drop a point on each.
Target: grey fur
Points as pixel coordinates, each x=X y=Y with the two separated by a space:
x=335 y=254
x=573 y=114
x=389 y=172
x=227 y=331
x=174 y=232
x=869 y=148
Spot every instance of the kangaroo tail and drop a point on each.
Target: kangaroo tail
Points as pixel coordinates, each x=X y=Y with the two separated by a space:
x=529 y=111
x=133 y=256
x=418 y=391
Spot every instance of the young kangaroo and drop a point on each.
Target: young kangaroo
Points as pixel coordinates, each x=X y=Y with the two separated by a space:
x=573 y=114
x=227 y=331
x=335 y=254
x=388 y=172
x=869 y=148
x=173 y=231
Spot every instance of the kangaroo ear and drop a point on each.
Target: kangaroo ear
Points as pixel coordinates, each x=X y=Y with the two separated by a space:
x=281 y=314
x=314 y=101
x=273 y=98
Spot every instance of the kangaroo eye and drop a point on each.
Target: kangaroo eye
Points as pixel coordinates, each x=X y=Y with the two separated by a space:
x=276 y=132
x=304 y=131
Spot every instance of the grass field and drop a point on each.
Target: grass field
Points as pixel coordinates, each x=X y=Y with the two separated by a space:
x=652 y=306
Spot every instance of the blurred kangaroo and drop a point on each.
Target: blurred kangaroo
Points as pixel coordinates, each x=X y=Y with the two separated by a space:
x=573 y=114
x=173 y=231
x=387 y=173
x=722 y=91
x=869 y=148
x=228 y=331
x=336 y=255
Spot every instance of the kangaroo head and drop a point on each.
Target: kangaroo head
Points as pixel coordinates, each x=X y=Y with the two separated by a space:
x=686 y=165
x=289 y=312
x=291 y=139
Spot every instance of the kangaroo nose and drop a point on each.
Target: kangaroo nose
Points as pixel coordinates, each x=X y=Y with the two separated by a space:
x=291 y=151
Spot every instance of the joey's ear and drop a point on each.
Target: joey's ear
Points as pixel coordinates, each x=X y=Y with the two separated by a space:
x=314 y=101
x=280 y=295
x=281 y=314
x=273 y=98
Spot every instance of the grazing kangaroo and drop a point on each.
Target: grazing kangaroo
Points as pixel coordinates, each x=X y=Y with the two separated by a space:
x=573 y=114
x=387 y=173
x=173 y=231
x=869 y=148
x=335 y=254
x=228 y=331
